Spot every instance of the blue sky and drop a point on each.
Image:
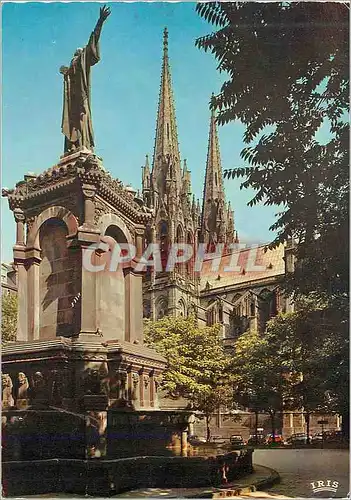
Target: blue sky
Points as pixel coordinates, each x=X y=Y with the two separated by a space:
x=40 y=37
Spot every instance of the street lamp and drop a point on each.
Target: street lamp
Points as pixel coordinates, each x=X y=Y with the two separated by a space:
x=322 y=423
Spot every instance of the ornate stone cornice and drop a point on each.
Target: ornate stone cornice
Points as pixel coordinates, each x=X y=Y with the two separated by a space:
x=85 y=169
x=136 y=355
x=111 y=191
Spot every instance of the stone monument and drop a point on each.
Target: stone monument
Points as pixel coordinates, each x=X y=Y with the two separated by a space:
x=80 y=333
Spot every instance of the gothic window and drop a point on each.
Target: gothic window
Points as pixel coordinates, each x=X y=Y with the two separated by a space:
x=252 y=309
x=163 y=231
x=163 y=228
x=161 y=307
x=216 y=179
x=211 y=315
x=234 y=324
x=180 y=239
x=190 y=262
x=181 y=308
x=220 y=313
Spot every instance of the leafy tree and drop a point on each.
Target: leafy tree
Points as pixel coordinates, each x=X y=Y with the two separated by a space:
x=288 y=366
x=8 y=317
x=287 y=81
x=288 y=74
x=258 y=375
x=197 y=365
x=309 y=348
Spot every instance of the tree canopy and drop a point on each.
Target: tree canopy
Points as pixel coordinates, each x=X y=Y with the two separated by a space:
x=8 y=317
x=258 y=375
x=296 y=364
x=288 y=82
x=197 y=364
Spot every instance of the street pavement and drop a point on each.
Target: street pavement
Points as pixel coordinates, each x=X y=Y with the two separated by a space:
x=298 y=468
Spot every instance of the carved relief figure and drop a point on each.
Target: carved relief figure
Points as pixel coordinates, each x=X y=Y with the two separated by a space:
x=7 y=386
x=122 y=385
x=23 y=386
x=92 y=382
x=39 y=388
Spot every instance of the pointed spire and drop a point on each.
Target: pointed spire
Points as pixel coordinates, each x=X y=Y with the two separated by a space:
x=146 y=174
x=213 y=208
x=147 y=162
x=166 y=150
x=213 y=178
x=185 y=167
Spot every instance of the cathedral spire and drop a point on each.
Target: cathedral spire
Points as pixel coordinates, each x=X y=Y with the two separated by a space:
x=146 y=174
x=166 y=159
x=213 y=188
x=214 y=213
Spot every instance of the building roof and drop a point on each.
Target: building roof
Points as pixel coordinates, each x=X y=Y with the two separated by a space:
x=248 y=264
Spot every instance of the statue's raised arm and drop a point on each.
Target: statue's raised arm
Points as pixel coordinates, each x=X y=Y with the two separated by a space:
x=93 y=44
x=104 y=13
x=76 y=120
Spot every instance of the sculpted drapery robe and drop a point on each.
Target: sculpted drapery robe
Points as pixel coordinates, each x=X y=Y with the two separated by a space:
x=76 y=119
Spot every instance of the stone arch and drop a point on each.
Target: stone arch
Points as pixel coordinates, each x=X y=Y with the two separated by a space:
x=108 y=220
x=58 y=281
x=211 y=312
x=161 y=307
x=181 y=306
x=55 y=212
x=111 y=283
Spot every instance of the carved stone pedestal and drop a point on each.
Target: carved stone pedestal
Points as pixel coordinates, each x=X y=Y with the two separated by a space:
x=79 y=353
x=73 y=387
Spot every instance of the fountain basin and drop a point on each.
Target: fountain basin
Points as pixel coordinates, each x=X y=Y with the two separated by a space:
x=103 y=477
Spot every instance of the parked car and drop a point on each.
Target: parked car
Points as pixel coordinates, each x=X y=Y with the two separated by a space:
x=219 y=440
x=298 y=438
x=196 y=440
x=318 y=437
x=260 y=439
x=237 y=440
x=333 y=436
x=278 y=439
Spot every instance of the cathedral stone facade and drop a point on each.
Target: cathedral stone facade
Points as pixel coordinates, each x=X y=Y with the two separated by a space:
x=244 y=298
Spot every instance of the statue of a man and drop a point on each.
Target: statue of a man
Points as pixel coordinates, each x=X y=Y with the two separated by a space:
x=76 y=119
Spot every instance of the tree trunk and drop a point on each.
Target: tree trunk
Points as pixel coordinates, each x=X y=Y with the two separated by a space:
x=256 y=427
x=273 y=426
x=308 y=420
x=208 y=430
